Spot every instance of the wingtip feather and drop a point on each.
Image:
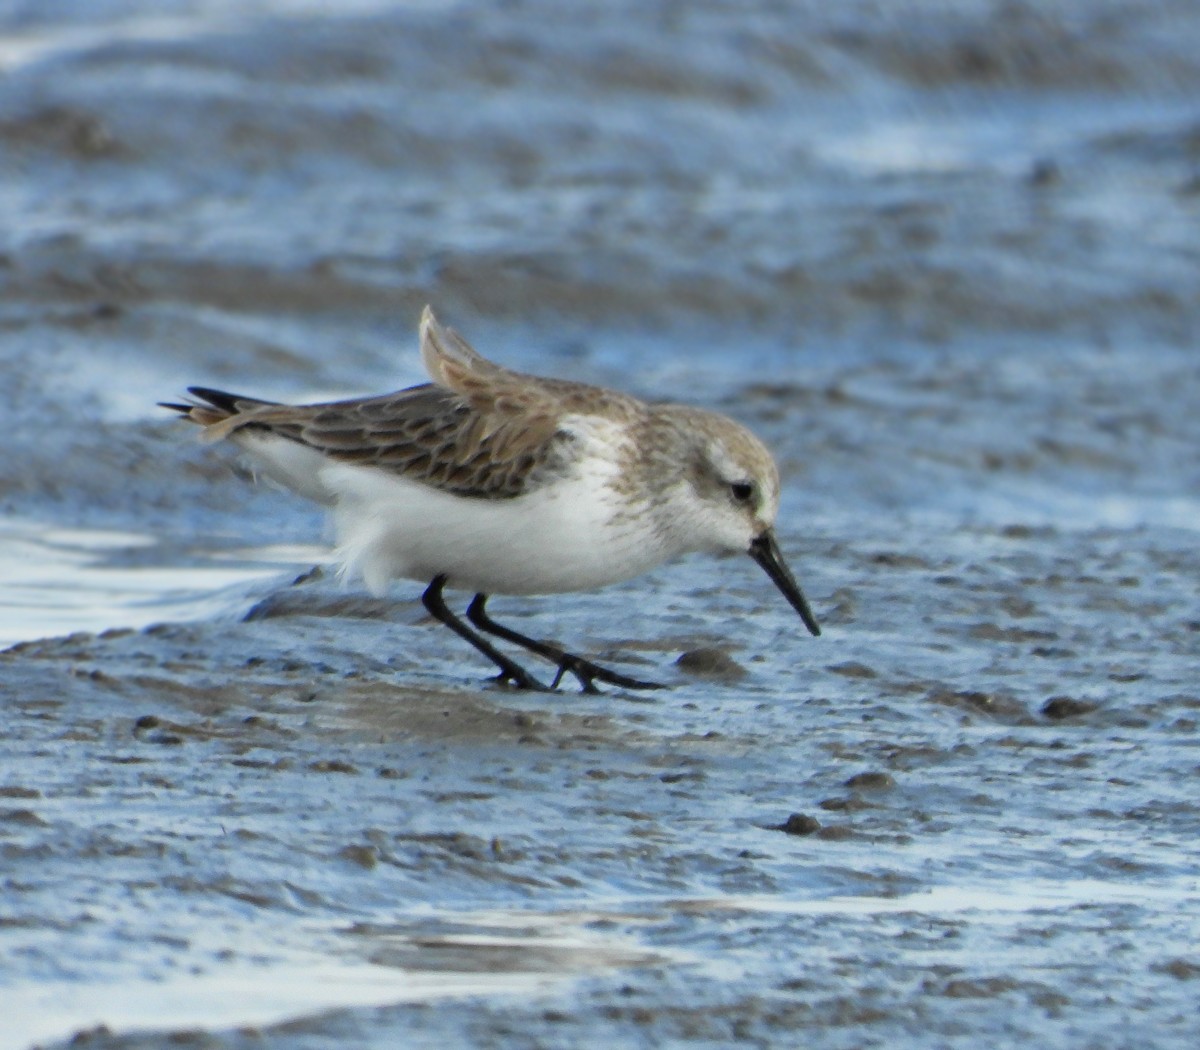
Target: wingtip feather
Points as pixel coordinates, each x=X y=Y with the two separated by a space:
x=449 y=359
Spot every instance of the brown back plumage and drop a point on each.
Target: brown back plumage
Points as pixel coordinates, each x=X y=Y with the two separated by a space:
x=478 y=430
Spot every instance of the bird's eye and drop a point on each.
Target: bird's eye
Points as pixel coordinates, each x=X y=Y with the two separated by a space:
x=741 y=491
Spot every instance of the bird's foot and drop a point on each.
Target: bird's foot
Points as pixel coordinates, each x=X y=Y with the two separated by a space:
x=587 y=673
x=515 y=676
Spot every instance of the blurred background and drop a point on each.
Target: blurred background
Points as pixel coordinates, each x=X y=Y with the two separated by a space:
x=987 y=208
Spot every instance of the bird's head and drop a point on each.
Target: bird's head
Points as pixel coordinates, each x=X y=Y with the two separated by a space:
x=727 y=497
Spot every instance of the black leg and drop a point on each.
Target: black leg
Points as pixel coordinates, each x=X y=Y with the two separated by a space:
x=510 y=671
x=584 y=670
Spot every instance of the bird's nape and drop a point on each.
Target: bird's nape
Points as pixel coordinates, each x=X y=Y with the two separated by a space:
x=764 y=550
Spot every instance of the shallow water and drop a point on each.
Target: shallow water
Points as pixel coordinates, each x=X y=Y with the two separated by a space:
x=60 y=580
x=943 y=261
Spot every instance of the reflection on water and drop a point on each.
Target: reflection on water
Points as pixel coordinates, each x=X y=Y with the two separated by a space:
x=426 y=959
x=238 y=996
x=994 y=902
x=437 y=954
x=55 y=581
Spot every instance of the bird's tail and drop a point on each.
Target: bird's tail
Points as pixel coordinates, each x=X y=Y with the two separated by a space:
x=215 y=410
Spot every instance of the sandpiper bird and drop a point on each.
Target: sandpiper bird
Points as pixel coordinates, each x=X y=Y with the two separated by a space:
x=498 y=482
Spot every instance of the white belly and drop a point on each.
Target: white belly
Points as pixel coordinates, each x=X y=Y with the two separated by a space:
x=559 y=538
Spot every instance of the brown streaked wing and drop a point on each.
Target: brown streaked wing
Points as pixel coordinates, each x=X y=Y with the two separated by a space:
x=432 y=435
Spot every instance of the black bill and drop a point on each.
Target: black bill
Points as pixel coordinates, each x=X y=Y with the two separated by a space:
x=765 y=551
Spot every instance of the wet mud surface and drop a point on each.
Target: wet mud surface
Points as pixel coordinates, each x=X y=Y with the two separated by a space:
x=945 y=265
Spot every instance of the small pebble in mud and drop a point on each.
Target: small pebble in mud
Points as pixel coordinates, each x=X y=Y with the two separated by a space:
x=852 y=669
x=143 y=730
x=365 y=857
x=14 y=791
x=871 y=781
x=88 y=1035
x=710 y=663
x=1180 y=969
x=995 y=705
x=331 y=765
x=983 y=988
x=1044 y=172
x=26 y=817
x=844 y=805
x=799 y=824
x=1060 y=707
